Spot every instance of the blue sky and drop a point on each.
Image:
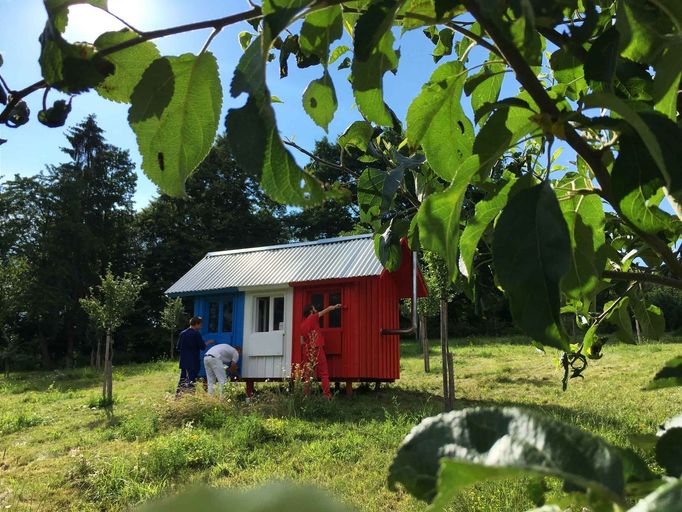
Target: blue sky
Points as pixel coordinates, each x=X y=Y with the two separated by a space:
x=32 y=146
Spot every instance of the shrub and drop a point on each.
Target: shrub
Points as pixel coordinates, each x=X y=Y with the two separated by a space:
x=137 y=428
x=190 y=447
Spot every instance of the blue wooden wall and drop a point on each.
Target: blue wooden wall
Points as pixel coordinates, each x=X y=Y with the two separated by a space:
x=216 y=311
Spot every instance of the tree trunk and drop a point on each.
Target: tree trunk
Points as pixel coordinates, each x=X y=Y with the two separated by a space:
x=70 y=343
x=106 y=386
x=639 y=333
x=444 y=350
x=425 y=343
x=92 y=357
x=98 y=357
x=451 y=380
x=44 y=351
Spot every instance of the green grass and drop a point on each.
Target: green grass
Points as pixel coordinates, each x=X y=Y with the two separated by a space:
x=60 y=451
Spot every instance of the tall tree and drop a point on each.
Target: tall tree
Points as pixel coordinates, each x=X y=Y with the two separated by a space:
x=88 y=212
x=224 y=209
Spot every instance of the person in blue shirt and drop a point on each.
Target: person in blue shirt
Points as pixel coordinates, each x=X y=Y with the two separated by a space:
x=190 y=344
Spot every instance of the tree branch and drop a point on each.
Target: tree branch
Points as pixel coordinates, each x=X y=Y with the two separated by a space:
x=455 y=27
x=318 y=159
x=643 y=277
x=526 y=77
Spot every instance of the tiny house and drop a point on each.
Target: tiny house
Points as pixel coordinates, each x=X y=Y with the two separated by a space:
x=254 y=299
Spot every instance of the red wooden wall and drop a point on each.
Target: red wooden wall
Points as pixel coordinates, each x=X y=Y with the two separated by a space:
x=359 y=351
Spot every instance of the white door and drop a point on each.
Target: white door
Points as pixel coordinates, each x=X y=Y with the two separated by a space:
x=267 y=334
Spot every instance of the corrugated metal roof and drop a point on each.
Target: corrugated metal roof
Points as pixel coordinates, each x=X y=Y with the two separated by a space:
x=334 y=258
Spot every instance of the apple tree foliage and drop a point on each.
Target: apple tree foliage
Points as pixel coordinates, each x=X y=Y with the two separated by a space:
x=599 y=78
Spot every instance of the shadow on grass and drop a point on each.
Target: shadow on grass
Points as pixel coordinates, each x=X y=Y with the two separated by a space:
x=76 y=379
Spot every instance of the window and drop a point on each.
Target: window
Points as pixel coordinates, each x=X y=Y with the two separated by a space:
x=213 y=312
x=278 y=314
x=334 y=316
x=321 y=300
x=317 y=300
x=227 y=315
x=262 y=314
x=269 y=314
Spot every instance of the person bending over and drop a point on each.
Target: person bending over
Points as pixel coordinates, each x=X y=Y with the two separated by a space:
x=190 y=345
x=314 y=357
x=215 y=360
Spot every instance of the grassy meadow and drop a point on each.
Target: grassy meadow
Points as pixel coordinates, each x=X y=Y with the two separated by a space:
x=60 y=451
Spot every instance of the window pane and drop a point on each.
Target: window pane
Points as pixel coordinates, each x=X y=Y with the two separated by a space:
x=278 y=314
x=317 y=300
x=263 y=314
x=213 y=312
x=227 y=315
x=335 y=316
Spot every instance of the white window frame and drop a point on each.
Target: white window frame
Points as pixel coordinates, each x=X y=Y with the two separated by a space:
x=271 y=312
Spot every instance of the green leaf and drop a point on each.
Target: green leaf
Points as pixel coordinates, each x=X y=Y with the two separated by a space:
x=650 y=318
x=58 y=10
x=484 y=87
x=666 y=498
x=669 y=447
x=486 y=211
x=601 y=61
x=337 y=53
x=640 y=27
x=444 y=46
x=267 y=498
x=448 y=452
x=634 y=118
x=418 y=13
x=673 y=9
x=245 y=39
x=619 y=316
x=258 y=148
x=668 y=76
x=503 y=130
x=249 y=76
x=370 y=194
x=436 y=121
x=635 y=184
x=568 y=70
x=320 y=29
x=70 y=68
x=129 y=65
x=387 y=244
x=531 y=253
x=438 y=220
x=372 y=26
x=668 y=376
x=278 y=15
x=584 y=216
x=374 y=56
x=174 y=112
x=319 y=101
x=358 y=135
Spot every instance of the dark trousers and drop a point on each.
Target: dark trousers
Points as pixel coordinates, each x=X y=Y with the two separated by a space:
x=188 y=377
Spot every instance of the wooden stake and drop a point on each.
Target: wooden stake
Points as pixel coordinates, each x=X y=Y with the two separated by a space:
x=444 y=350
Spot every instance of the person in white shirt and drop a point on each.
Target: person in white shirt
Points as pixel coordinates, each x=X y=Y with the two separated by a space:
x=215 y=360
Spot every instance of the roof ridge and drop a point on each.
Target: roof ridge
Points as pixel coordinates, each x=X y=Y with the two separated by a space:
x=322 y=241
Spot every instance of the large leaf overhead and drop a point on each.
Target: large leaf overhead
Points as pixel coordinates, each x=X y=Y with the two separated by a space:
x=436 y=121
x=174 y=111
x=373 y=57
x=129 y=65
x=253 y=134
x=438 y=219
x=531 y=253
x=320 y=29
x=485 y=212
x=584 y=215
x=448 y=452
